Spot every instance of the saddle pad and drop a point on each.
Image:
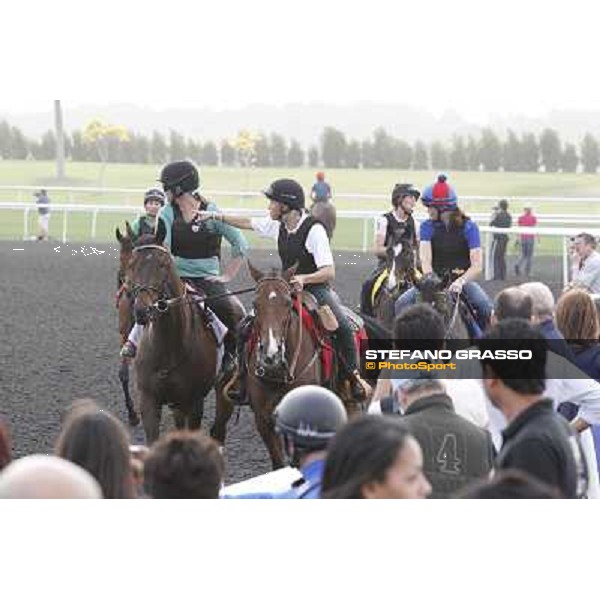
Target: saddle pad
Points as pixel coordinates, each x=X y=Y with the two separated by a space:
x=378 y=283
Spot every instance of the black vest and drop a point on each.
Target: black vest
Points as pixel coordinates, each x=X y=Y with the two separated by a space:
x=399 y=231
x=193 y=240
x=146 y=228
x=292 y=248
x=449 y=249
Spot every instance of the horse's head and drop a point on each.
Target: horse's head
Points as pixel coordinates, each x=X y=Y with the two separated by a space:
x=273 y=314
x=151 y=278
x=429 y=286
x=400 y=263
x=127 y=243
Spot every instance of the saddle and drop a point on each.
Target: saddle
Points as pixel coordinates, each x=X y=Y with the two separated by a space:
x=215 y=325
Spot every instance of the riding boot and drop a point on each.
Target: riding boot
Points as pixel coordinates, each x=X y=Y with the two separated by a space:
x=243 y=334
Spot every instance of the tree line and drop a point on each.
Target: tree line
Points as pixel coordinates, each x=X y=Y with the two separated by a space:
x=486 y=151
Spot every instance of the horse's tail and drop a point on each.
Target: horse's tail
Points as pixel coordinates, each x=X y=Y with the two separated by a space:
x=375 y=329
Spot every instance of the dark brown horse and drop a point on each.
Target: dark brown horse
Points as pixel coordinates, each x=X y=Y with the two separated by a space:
x=326 y=213
x=285 y=355
x=177 y=357
x=401 y=274
x=124 y=306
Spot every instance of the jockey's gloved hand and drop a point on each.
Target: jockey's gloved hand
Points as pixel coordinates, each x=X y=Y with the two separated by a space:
x=457 y=285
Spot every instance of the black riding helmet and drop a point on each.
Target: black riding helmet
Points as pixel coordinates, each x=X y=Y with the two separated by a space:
x=309 y=416
x=404 y=189
x=288 y=192
x=180 y=177
x=154 y=194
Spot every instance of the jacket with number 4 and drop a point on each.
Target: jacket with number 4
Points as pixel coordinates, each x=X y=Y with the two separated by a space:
x=455 y=452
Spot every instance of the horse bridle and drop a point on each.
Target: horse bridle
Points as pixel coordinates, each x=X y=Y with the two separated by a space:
x=164 y=302
x=289 y=375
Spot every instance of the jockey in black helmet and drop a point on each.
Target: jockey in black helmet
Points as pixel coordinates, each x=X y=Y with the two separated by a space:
x=154 y=200
x=302 y=239
x=394 y=227
x=196 y=249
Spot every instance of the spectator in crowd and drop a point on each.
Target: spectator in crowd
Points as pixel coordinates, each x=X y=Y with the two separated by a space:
x=41 y=477
x=510 y=484
x=420 y=327
x=500 y=218
x=586 y=268
x=5 y=446
x=306 y=420
x=537 y=440
x=99 y=443
x=577 y=318
x=512 y=303
x=43 y=206
x=543 y=317
x=526 y=241
x=374 y=457
x=186 y=465
x=455 y=452
x=321 y=190
x=596 y=299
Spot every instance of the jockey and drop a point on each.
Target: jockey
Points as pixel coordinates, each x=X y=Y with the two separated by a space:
x=306 y=420
x=302 y=239
x=154 y=200
x=394 y=227
x=450 y=244
x=196 y=248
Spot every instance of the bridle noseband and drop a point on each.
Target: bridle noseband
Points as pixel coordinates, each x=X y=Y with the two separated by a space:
x=164 y=302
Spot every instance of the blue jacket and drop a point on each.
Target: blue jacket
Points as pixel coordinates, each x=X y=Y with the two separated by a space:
x=309 y=487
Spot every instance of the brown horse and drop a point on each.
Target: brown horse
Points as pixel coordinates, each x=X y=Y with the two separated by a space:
x=124 y=306
x=401 y=274
x=326 y=213
x=285 y=355
x=177 y=357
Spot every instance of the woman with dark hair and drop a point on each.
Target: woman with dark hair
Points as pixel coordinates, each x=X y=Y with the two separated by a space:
x=374 y=457
x=5 y=452
x=96 y=441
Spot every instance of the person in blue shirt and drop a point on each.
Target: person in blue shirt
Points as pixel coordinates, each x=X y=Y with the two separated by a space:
x=450 y=245
x=306 y=419
x=196 y=249
x=43 y=206
x=321 y=190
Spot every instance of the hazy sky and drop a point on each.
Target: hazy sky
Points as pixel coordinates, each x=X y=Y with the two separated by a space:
x=479 y=58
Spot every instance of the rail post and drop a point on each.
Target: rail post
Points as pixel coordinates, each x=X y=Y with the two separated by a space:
x=64 y=231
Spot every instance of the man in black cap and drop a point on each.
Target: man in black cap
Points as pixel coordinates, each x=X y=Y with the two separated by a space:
x=302 y=240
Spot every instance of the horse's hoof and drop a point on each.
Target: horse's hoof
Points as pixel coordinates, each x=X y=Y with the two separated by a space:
x=133 y=419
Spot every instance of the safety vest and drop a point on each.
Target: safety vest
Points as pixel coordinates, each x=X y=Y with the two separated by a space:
x=292 y=247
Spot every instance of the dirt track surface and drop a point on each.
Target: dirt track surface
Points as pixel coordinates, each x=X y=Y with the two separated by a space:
x=59 y=341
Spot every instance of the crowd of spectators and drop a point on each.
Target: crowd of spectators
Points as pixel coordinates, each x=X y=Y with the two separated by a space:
x=502 y=434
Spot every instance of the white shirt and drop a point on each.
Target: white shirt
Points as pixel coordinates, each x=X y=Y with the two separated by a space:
x=317 y=242
x=589 y=273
